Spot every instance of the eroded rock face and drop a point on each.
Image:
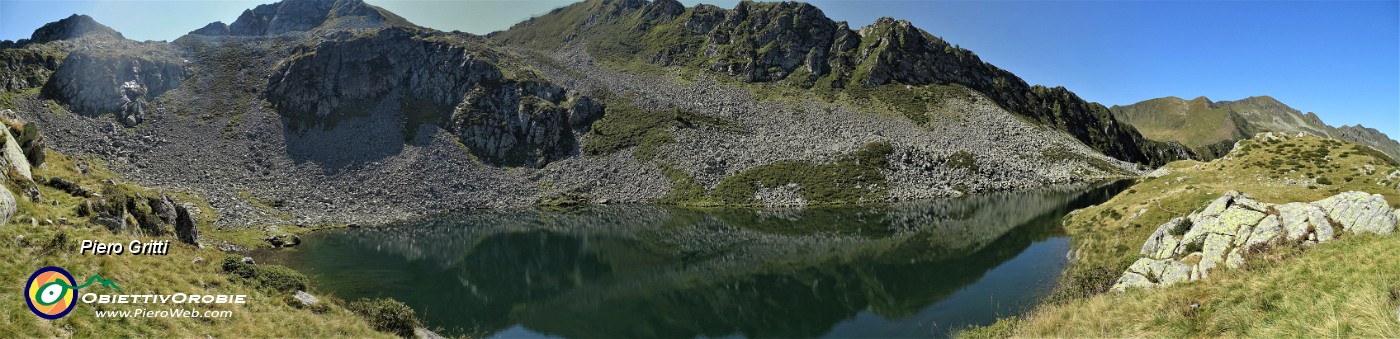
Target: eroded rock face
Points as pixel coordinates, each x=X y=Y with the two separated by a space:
x=503 y=121
x=1234 y=226
x=522 y=123
x=116 y=81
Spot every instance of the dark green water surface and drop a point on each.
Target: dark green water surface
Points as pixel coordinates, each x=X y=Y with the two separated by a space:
x=914 y=269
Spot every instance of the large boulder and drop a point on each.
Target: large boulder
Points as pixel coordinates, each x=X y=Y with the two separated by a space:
x=13 y=159
x=1234 y=226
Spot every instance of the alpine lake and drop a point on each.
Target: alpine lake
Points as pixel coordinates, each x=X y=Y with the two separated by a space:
x=912 y=269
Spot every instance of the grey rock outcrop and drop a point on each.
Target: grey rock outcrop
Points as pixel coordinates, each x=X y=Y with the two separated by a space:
x=120 y=81
x=1234 y=226
x=26 y=68
x=12 y=158
x=185 y=228
x=8 y=205
x=305 y=299
x=503 y=121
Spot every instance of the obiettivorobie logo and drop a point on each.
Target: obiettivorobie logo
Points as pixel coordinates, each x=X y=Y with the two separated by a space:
x=51 y=292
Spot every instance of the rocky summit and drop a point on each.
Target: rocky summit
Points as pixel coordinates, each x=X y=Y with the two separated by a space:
x=337 y=111
x=1234 y=226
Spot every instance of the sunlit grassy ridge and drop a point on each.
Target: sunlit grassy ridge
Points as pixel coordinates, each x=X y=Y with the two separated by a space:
x=1345 y=287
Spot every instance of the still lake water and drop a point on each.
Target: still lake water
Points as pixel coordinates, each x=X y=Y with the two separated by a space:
x=913 y=269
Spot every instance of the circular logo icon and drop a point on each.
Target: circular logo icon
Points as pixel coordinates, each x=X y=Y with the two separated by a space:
x=50 y=293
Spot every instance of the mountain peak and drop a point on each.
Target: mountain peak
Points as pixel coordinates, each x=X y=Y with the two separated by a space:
x=305 y=15
x=74 y=26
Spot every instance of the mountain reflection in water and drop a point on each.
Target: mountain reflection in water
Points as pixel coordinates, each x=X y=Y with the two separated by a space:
x=644 y=271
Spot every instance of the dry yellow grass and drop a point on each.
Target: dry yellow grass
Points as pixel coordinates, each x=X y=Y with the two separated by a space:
x=1347 y=287
x=26 y=247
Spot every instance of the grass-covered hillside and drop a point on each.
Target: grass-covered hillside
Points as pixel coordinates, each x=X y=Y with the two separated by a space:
x=1194 y=123
x=49 y=230
x=1347 y=287
x=1211 y=128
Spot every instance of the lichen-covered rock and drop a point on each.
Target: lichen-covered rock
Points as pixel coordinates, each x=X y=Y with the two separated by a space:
x=1162 y=243
x=1214 y=251
x=1151 y=272
x=1131 y=280
x=1267 y=230
x=1359 y=212
x=1233 y=226
x=13 y=159
x=8 y=205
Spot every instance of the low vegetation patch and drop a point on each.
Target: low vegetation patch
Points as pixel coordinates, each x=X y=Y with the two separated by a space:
x=387 y=315
x=850 y=179
x=623 y=126
x=275 y=278
x=1062 y=153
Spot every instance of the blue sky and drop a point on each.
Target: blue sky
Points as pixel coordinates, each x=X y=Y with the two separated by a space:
x=1340 y=59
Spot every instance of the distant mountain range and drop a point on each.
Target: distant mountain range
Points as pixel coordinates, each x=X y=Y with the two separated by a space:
x=1212 y=128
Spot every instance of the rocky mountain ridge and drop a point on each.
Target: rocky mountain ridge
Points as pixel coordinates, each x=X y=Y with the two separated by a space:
x=796 y=43
x=296 y=16
x=1211 y=128
x=308 y=121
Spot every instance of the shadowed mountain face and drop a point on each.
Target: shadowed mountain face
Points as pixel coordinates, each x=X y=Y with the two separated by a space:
x=1212 y=128
x=629 y=271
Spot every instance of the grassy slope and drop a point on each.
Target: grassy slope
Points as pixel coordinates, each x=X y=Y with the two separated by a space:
x=1191 y=122
x=267 y=313
x=1336 y=288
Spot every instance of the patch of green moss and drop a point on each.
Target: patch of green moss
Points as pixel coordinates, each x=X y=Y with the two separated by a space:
x=624 y=126
x=1062 y=153
x=684 y=190
x=851 y=179
x=275 y=278
x=964 y=161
